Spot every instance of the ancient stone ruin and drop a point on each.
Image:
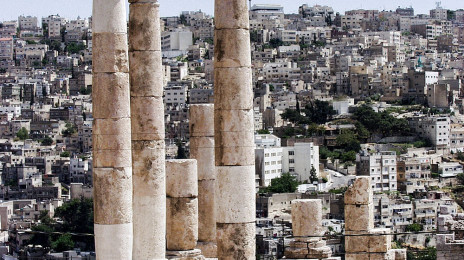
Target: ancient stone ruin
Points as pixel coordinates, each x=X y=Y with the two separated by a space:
x=129 y=151
x=362 y=240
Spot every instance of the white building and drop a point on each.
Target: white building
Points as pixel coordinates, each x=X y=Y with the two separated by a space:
x=436 y=129
x=268 y=158
x=449 y=169
x=300 y=159
x=176 y=40
x=27 y=22
x=175 y=96
x=382 y=169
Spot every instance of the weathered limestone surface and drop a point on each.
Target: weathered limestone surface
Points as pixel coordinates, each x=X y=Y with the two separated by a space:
x=360 y=193
x=307 y=222
x=194 y=254
x=147 y=125
x=240 y=243
x=201 y=124
x=233 y=186
x=233 y=131
x=112 y=163
x=182 y=223
x=182 y=206
x=362 y=241
x=359 y=217
x=181 y=178
x=307 y=218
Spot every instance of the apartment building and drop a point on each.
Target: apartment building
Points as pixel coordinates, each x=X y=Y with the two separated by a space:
x=300 y=159
x=381 y=167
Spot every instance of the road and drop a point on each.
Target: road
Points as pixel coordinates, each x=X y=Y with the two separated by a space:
x=338 y=180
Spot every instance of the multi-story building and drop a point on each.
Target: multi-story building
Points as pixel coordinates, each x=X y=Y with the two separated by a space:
x=456 y=138
x=382 y=169
x=414 y=174
x=435 y=128
x=54 y=25
x=6 y=48
x=268 y=158
x=27 y=22
x=449 y=169
x=176 y=40
x=264 y=12
x=300 y=159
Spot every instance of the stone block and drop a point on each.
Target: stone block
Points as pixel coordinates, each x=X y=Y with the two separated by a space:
x=356 y=244
x=379 y=240
x=359 y=217
x=307 y=218
x=205 y=161
x=111 y=95
x=146 y=74
x=360 y=193
x=357 y=256
x=231 y=14
x=207 y=210
x=235 y=194
x=147 y=118
x=112 y=158
x=149 y=224
x=307 y=242
x=148 y=162
x=232 y=48
x=109 y=16
x=195 y=254
x=236 y=241
x=202 y=142
x=111 y=134
x=110 y=208
x=400 y=254
x=144 y=26
x=234 y=120
x=201 y=120
x=233 y=89
x=234 y=156
x=182 y=223
x=114 y=241
x=208 y=249
x=111 y=53
x=181 y=178
x=381 y=256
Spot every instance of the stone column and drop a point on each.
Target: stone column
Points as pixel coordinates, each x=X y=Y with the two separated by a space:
x=112 y=163
x=233 y=131
x=148 y=147
x=201 y=120
x=182 y=210
x=307 y=229
x=362 y=240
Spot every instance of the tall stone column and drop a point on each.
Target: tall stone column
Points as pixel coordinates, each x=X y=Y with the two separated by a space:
x=201 y=120
x=112 y=163
x=182 y=210
x=233 y=131
x=148 y=147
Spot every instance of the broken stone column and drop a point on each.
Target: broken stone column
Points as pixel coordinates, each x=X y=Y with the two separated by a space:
x=201 y=120
x=307 y=230
x=233 y=131
x=362 y=240
x=148 y=147
x=182 y=210
x=112 y=163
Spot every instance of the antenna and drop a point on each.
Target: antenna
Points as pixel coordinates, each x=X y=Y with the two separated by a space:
x=438 y=4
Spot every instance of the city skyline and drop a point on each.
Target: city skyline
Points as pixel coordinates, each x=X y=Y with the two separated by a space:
x=72 y=9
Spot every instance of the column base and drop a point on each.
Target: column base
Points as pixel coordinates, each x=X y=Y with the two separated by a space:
x=194 y=254
x=209 y=249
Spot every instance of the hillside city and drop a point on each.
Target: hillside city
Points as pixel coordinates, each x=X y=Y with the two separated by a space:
x=365 y=93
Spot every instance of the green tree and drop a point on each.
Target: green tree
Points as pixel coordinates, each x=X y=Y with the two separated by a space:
x=22 y=134
x=414 y=227
x=63 y=243
x=47 y=141
x=287 y=183
x=76 y=216
x=460 y=178
x=275 y=42
x=313 y=174
x=42 y=237
x=349 y=156
x=69 y=130
x=65 y=154
x=181 y=154
x=263 y=131
x=348 y=141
